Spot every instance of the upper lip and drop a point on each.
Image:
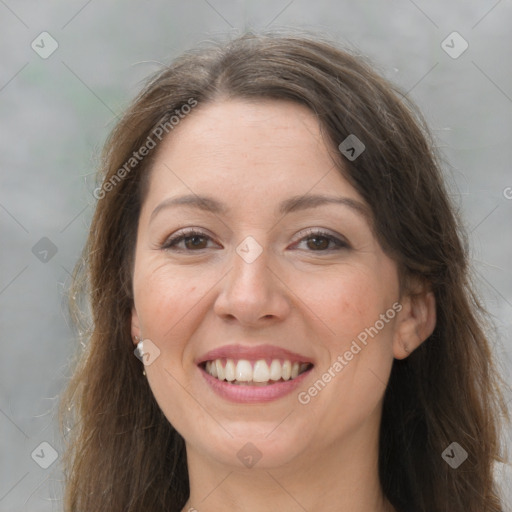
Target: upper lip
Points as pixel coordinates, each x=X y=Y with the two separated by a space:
x=252 y=353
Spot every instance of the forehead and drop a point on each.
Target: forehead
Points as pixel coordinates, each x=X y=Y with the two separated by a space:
x=261 y=150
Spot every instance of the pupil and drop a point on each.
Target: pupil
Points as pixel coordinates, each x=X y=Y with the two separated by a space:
x=195 y=240
x=319 y=242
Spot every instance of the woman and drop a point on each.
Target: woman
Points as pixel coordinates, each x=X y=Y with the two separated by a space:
x=274 y=242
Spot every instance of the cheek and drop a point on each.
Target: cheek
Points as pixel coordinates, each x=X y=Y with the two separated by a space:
x=164 y=300
x=352 y=378
x=346 y=302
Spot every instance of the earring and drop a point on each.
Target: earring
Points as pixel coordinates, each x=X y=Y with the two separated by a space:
x=140 y=350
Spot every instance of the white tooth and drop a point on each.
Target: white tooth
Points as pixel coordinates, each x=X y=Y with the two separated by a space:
x=213 y=368
x=243 y=371
x=275 y=369
x=261 y=371
x=229 y=370
x=287 y=370
x=220 y=369
x=207 y=367
x=295 y=370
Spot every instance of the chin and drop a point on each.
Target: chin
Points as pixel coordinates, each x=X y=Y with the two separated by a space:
x=251 y=446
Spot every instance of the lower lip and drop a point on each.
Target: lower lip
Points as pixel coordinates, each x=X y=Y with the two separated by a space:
x=252 y=394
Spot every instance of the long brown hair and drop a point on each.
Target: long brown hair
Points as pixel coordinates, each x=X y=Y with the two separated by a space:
x=123 y=455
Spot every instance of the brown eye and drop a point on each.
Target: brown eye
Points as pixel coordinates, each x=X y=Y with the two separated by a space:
x=320 y=241
x=195 y=242
x=192 y=241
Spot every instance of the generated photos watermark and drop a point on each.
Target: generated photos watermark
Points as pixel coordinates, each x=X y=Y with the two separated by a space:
x=147 y=352
x=454 y=455
x=343 y=360
x=164 y=127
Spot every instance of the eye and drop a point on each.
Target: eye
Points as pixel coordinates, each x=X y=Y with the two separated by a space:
x=319 y=241
x=193 y=240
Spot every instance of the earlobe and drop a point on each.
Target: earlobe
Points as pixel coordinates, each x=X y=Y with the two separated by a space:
x=415 y=323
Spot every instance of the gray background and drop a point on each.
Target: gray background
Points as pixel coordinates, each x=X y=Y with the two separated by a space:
x=56 y=113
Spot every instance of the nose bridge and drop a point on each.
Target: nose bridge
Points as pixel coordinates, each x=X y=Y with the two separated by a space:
x=250 y=268
x=250 y=290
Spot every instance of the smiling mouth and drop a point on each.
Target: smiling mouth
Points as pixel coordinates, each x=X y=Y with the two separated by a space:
x=261 y=372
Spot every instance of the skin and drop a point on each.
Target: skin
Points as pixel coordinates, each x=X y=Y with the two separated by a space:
x=318 y=456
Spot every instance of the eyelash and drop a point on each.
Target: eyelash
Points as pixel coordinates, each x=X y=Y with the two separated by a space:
x=171 y=242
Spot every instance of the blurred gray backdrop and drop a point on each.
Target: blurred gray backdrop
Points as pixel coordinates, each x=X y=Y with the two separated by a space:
x=67 y=69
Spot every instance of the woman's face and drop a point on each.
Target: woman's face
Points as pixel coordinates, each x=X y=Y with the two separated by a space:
x=281 y=275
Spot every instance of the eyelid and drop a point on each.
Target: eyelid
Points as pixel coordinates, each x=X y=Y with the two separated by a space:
x=184 y=233
x=339 y=240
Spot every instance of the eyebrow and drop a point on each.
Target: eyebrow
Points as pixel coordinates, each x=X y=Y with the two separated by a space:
x=293 y=204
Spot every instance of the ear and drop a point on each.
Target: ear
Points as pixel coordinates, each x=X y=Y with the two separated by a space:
x=416 y=321
x=135 y=330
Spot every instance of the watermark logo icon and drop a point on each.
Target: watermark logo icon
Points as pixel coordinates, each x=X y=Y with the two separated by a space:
x=44 y=250
x=249 y=250
x=249 y=455
x=44 y=45
x=351 y=147
x=44 y=455
x=454 y=455
x=147 y=352
x=454 y=45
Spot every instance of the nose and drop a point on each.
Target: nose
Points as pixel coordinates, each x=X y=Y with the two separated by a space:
x=253 y=292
